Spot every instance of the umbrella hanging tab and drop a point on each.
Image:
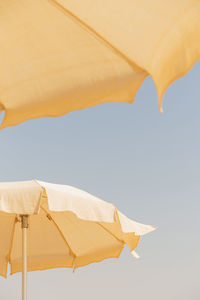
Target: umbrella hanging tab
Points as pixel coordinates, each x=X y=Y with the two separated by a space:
x=24 y=226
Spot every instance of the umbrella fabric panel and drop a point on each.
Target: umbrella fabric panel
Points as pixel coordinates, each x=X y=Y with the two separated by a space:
x=7 y=222
x=46 y=246
x=21 y=197
x=129 y=225
x=115 y=229
x=88 y=207
x=63 y=240
x=51 y=64
x=60 y=240
x=24 y=197
x=84 y=205
x=160 y=37
x=92 y=241
x=88 y=240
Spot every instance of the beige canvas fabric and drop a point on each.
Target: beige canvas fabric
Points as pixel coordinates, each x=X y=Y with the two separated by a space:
x=67 y=227
x=57 y=56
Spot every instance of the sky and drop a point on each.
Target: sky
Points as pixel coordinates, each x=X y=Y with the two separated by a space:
x=144 y=162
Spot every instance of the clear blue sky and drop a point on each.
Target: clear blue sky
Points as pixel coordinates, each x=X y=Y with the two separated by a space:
x=147 y=164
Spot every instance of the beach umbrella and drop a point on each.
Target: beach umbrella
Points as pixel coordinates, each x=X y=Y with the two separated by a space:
x=57 y=56
x=45 y=226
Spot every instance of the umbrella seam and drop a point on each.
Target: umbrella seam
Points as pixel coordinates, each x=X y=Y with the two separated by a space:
x=74 y=255
x=98 y=36
x=166 y=34
x=54 y=222
x=120 y=240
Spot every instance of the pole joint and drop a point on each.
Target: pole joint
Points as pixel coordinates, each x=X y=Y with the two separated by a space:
x=24 y=221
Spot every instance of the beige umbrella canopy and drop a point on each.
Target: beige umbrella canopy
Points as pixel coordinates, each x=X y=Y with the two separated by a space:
x=64 y=226
x=57 y=56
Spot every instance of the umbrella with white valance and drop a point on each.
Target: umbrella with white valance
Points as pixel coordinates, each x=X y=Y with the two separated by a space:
x=45 y=226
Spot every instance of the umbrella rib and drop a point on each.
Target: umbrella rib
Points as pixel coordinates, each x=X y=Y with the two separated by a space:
x=120 y=240
x=106 y=229
x=97 y=35
x=51 y=219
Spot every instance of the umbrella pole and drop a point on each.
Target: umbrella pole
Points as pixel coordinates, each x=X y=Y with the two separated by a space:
x=24 y=226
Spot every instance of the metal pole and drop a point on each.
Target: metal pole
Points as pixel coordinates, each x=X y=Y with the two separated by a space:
x=24 y=226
